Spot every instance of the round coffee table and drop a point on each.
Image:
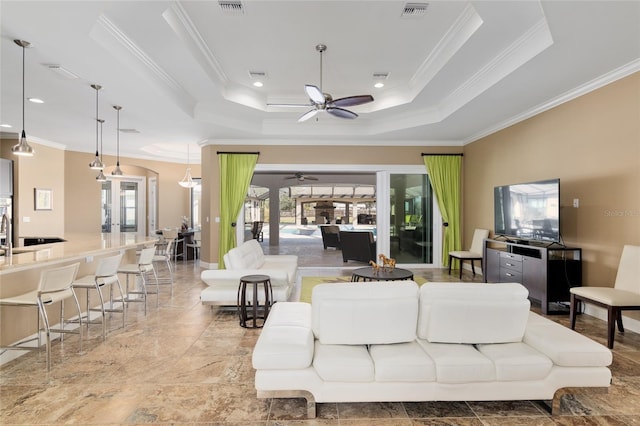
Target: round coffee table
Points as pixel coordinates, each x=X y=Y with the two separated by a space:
x=367 y=274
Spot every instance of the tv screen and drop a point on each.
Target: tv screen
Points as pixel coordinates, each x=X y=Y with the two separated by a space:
x=528 y=211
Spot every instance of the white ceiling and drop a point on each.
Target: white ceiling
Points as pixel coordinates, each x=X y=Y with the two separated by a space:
x=180 y=69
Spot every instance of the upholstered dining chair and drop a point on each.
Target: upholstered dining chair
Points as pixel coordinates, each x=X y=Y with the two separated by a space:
x=474 y=253
x=623 y=296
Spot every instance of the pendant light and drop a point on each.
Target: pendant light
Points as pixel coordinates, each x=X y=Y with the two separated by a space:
x=117 y=171
x=22 y=147
x=187 y=181
x=96 y=164
x=101 y=177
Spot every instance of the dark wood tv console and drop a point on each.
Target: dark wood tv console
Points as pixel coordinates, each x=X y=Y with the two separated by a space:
x=548 y=272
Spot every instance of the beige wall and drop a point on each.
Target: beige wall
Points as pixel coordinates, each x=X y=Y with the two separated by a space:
x=593 y=145
x=76 y=194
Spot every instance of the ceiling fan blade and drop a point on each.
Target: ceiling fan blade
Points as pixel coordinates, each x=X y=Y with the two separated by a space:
x=314 y=93
x=290 y=105
x=352 y=101
x=342 y=113
x=307 y=115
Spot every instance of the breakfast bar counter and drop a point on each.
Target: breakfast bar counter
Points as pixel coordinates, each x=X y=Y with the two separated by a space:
x=20 y=273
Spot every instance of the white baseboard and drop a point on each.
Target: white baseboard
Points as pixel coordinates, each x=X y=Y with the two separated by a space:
x=631 y=324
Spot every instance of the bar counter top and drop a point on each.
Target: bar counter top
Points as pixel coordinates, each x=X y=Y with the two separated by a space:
x=76 y=246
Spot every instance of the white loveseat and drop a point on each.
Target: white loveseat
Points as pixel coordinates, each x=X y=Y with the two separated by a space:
x=393 y=341
x=248 y=259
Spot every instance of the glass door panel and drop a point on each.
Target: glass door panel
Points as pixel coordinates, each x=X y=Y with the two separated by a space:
x=411 y=218
x=123 y=205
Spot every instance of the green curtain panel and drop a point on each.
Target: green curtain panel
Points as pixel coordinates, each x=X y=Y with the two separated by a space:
x=444 y=174
x=236 y=171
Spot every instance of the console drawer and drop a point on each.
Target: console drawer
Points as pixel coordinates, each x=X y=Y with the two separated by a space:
x=510 y=261
x=510 y=276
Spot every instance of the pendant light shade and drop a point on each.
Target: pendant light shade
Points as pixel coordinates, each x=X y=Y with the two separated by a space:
x=101 y=177
x=96 y=164
x=187 y=181
x=117 y=171
x=22 y=147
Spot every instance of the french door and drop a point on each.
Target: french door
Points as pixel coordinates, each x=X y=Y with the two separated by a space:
x=123 y=205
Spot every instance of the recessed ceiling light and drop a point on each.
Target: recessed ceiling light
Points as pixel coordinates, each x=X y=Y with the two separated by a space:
x=8 y=126
x=35 y=100
x=258 y=83
x=378 y=85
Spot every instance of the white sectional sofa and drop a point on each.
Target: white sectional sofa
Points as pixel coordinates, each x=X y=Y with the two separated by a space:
x=393 y=341
x=249 y=259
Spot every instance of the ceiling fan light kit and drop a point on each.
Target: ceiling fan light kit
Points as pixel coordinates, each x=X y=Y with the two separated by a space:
x=321 y=101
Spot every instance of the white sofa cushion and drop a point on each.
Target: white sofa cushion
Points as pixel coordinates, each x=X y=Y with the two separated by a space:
x=459 y=363
x=564 y=346
x=343 y=363
x=402 y=362
x=517 y=361
x=286 y=341
x=365 y=313
x=473 y=313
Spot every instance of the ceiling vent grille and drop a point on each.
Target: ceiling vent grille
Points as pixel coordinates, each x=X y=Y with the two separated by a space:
x=414 y=10
x=61 y=71
x=129 y=131
x=231 y=7
x=257 y=74
x=380 y=75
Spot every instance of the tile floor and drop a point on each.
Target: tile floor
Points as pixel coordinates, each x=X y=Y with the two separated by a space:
x=185 y=363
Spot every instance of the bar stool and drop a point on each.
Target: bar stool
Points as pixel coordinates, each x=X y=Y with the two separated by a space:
x=172 y=234
x=140 y=269
x=195 y=245
x=164 y=256
x=106 y=274
x=254 y=280
x=55 y=286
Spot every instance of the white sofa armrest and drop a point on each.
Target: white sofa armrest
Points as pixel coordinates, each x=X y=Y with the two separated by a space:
x=564 y=346
x=212 y=277
x=286 y=341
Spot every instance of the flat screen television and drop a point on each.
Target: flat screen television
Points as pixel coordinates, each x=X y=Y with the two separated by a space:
x=528 y=211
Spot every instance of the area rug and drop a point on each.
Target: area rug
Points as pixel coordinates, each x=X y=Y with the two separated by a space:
x=309 y=282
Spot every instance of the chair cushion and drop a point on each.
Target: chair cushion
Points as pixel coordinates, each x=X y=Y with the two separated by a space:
x=247 y=255
x=343 y=363
x=608 y=296
x=402 y=362
x=465 y=254
x=365 y=313
x=473 y=313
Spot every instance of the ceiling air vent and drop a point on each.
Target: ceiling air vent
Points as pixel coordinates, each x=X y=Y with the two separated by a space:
x=231 y=7
x=129 y=131
x=257 y=74
x=61 y=71
x=380 y=75
x=414 y=10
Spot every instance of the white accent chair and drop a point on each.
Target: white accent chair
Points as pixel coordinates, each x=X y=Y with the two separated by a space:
x=474 y=253
x=623 y=296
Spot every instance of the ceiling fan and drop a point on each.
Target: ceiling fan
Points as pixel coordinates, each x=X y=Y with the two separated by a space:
x=301 y=177
x=324 y=102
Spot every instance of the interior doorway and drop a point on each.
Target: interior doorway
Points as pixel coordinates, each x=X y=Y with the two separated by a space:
x=123 y=205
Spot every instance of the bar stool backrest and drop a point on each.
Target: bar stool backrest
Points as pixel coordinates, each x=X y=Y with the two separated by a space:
x=146 y=256
x=170 y=234
x=108 y=266
x=57 y=280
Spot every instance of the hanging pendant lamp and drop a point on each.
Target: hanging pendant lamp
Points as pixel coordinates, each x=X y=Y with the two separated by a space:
x=101 y=177
x=117 y=171
x=22 y=147
x=187 y=181
x=96 y=164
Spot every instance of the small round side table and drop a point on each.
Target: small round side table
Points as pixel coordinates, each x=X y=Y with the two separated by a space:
x=257 y=311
